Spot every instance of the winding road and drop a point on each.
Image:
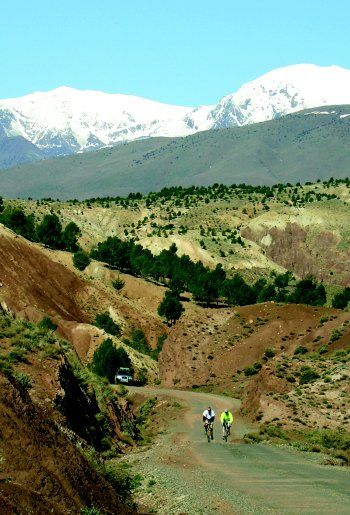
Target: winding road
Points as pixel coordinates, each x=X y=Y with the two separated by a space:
x=194 y=476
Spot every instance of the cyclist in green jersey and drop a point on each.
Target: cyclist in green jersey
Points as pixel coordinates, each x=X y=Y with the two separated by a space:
x=226 y=419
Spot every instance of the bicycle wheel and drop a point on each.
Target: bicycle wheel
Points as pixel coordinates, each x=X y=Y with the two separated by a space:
x=208 y=434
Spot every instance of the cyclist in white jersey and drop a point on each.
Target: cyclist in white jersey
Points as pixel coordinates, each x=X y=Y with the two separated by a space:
x=208 y=418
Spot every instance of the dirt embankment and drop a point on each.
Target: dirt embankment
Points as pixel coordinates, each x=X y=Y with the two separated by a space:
x=42 y=471
x=211 y=347
x=36 y=282
x=32 y=284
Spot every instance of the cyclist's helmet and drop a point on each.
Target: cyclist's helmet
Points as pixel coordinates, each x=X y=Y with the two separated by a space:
x=226 y=410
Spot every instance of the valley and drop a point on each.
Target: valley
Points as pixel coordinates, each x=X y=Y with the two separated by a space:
x=174 y=242
x=282 y=365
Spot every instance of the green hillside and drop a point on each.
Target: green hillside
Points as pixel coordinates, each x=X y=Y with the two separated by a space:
x=306 y=146
x=17 y=150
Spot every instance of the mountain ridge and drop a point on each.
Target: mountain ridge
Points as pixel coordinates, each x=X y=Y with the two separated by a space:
x=66 y=121
x=305 y=146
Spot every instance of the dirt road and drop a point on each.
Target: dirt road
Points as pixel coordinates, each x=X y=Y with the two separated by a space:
x=187 y=474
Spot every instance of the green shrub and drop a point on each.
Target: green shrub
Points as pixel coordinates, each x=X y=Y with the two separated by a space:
x=160 y=342
x=90 y=511
x=336 y=334
x=145 y=410
x=5 y=366
x=118 y=283
x=252 y=370
x=105 y=321
x=330 y=439
x=138 y=342
x=47 y=324
x=116 y=474
x=307 y=375
x=273 y=431
x=252 y=438
x=22 y=379
x=269 y=353
x=300 y=350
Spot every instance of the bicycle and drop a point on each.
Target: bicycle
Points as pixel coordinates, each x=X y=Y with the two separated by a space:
x=226 y=431
x=208 y=428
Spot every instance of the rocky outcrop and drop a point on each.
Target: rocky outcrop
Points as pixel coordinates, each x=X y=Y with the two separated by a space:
x=294 y=248
x=78 y=403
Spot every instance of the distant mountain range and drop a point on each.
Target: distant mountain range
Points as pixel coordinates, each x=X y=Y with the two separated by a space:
x=66 y=121
x=306 y=146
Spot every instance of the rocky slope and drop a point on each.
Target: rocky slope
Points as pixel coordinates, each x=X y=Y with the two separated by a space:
x=36 y=282
x=53 y=424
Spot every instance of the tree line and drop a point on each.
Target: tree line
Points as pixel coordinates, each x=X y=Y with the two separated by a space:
x=207 y=286
x=49 y=231
x=217 y=191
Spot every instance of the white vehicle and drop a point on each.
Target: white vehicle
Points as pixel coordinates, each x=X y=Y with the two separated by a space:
x=124 y=375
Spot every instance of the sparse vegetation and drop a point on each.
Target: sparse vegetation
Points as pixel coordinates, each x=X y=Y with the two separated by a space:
x=138 y=342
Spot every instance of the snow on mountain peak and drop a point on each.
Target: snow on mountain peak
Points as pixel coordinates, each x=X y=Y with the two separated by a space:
x=66 y=120
x=282 y=91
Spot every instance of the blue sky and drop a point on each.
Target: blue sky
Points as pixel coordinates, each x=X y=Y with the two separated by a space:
x=182 y=52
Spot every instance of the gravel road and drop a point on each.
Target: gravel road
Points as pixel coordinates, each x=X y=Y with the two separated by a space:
x=186 y=474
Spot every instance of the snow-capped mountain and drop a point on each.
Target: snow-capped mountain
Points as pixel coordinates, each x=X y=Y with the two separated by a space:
x=283 y=91
x=65 y=120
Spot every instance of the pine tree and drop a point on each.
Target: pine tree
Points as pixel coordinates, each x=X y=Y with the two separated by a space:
x=49 y=231
x=81 y=260
x=170 y=308
x=70 y=237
